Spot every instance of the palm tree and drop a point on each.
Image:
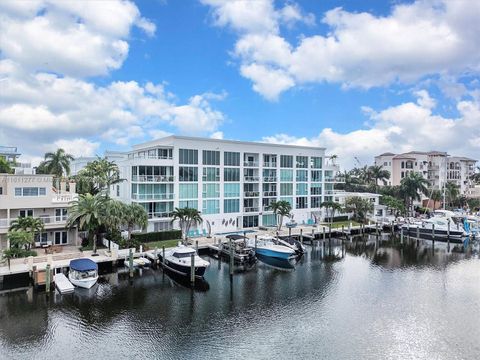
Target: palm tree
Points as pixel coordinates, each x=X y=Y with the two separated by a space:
x=98 y=176
x=333 y=206
x=378 y=174
x=436 y=196
x=412 y=186
x=134 y=215
x=89 y=212
x=5 y=167
x=28 y=224
x=186 y=218
x=359 y=207
x=452 y=192
x=57 y=163
x=282 y=209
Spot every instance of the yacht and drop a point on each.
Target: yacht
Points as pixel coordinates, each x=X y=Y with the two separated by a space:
x=83 y=273
x=242 y=253
x=266 y=246
x=441 y=227
x=179 y=260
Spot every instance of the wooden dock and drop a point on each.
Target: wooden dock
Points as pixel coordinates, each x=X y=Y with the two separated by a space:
x=63 y=285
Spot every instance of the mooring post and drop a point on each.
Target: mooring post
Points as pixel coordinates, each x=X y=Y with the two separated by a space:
x=418 y=231
x=155 y=255
x=130 y=262
x=344 y=235
x=401 y=235
x=163 y=255
x=196 y=245
x=448 y=233
x=255 y=244
x=192 y=269
x=392 y=229
x=231 y=257
x=329 y=232
x=433 y=233
x=301 y=236
x=324 y=234
x=47 y=278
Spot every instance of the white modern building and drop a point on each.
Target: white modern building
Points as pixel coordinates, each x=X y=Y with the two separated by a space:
x=11 y=155
x=231 y=182
x=34 y=195
x=435 y=166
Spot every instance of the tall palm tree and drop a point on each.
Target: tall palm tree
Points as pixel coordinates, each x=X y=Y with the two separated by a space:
x=57 y=163
x=89 y=212
x=282 y=209
x=5 y=167
x=186 y=218
x=452 y=192
x=333 y=207
x=378 y=173
x=412 y=186
x=98 y=176
x=28 y=224
x=134 y=215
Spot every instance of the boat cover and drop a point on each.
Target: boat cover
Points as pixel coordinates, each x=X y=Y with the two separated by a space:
x=236 y=237
x=83 y=265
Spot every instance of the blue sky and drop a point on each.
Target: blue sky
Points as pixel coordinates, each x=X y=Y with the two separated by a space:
x=359 y=78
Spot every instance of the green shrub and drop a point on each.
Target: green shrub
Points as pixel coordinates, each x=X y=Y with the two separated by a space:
x=157 y=236
x=337 y=218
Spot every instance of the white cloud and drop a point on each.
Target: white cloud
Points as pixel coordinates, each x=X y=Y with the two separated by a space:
x=77 y=147
x=217 y=135
x=405 y=127
x=416 y=40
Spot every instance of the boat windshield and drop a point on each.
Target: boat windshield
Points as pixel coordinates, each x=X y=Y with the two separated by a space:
x=183 y=254
x=79 y=275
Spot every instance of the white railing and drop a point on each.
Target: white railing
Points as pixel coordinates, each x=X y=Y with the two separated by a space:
x=152 y=196
x=47 y=220
x=251 y=178
x=251 y=193
x=250 y=209
x=270 y=164
x=269 y=193
x=269 y=179
x=153 y=178
x=155 y=215
x=267 y=208
x=154 y=157
x=64 y=198
x=250 y=163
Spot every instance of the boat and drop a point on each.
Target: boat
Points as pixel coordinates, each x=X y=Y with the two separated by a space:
x=266 y=246
x=276 y=263
x=441 y=227
x=242 y=253
x=292 y=243
x=179 y=260
x=83 y=273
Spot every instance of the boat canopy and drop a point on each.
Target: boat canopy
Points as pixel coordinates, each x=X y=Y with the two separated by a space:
x=235 y=237
x=83 y=265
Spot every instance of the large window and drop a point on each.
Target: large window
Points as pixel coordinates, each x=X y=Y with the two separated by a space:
x=30 y=191
x=316 y=189
x=26 y=213
x=187 y=156
x=302 y=162
x=211 y=191
x=286 y=175
x=302 y=175
x=231 y=205
x=316 y=175
x=211 y=174
x=152 y=173
x=187 y=173
x=301 y=203
x=211 y=157
x=316 y=162
x=302 y=189
x=269 y=220
x=152 y=191
x=286 y=189
x=231 y=158
x=231 y=174
x=287 y=199
x=192 y=204
x=269 y=160
x=61 y=238
x=286 y=161
x=211 y=207
x=316 y=201
x=250 y=221
x=188 y=191
x=231 y=190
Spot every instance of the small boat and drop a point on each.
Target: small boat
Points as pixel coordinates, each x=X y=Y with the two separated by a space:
x=179 y=260
x=296 y=245
x=242 y=253
x=266 y=246
x=443 y=228
x=83 y=273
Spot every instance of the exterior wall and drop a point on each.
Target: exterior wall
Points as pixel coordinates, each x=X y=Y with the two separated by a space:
x=251 y=182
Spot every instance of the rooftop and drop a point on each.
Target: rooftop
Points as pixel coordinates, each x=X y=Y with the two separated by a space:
x=9 y=150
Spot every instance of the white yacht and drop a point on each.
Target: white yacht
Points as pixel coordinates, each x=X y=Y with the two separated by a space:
x=179 y=260
x=83 y=273
x=442 y=226
x=266 y=246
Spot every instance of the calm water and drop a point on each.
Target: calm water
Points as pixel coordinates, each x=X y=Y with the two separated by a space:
x=368 y=301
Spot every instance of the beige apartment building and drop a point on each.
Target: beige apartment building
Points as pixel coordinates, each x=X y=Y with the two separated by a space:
x=33 y=195
x=435 y=166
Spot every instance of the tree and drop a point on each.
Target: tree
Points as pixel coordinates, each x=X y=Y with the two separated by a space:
x=411 y=188
x=28 y=224
x=186 y=218
x=89 y=212
x=377 y=173
x=57 y=163
x=359 y=207
x=98 y=176
x=452 y=191
x=393 y=204
x=20 y=239
x=134 y=215
x=5 y=166
x=333 y=207
x=282 y=209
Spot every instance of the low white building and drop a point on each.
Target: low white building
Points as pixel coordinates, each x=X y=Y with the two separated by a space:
x=34 y=195
x=379 y=211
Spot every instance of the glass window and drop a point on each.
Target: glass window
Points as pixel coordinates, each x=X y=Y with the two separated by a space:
x=316 y=175
x=286 y=175
x=187 y=156
x=250 y=221
x=211 y=191
x=269 y=160
x=301 y=203
x=286 y=189
x=231 y=158
x=25 y=213
x=211 y=207
x=211 y=174
x=302 y=189
x=188 y=191
x=287 y=199
x=316 y=201
x=211 y=157
x=316 y=162
x=286 y=161
x=231 y=174
x=231 y=190
x=302 y=162
x=269 y=220
x=302 y=175
x=316 y=189
x=231 y=205
x=18 y=191
x=187 y=173
x=192 y=204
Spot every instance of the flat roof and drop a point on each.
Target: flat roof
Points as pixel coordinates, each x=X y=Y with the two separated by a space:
x=178 y=137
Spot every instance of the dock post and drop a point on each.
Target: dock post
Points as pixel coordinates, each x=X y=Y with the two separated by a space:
x=376 y=228
x=130 y=263
x=323 y=233
x=301 y=236
x=433 y=234
x=313 y=235
x=163 y=255
x=344 y=235
x=192 y=269
x=232 y=258
x=255 y=244
x=401 y=235
x=47 y=278
x=418 y=232
x=196 y=245
x=329 y=232
x=448 y=234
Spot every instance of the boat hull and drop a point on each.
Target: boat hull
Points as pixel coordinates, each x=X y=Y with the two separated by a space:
x=84 y=283
x=272 y=253
x=184 y=270
x=441 y=235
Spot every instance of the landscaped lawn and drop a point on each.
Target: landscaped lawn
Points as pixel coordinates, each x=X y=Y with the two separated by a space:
x=345 y=223
x=160 y=244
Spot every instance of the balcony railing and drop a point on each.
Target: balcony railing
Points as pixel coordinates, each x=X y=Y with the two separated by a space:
x=64 y=198
x=266 y=208
x=208 y=178
x=160 y=215
x=302 y=179
x=270 y=164
x=269 y=179
x=153 y=178
x=47 y=220
x=269 y=193
x=251 y=178
x=250 y=163
x=154 y=157
x=152 y=196
x=251 y=193
x=250 y=209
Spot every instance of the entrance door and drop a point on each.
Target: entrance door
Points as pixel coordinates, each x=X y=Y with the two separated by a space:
x=61 y=238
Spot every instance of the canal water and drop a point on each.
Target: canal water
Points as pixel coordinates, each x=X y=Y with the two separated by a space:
x=366 y=299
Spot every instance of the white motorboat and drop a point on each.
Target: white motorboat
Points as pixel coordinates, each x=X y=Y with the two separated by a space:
x=266 y=246
x=442 y=227
x=83 y=273
x=179 y=260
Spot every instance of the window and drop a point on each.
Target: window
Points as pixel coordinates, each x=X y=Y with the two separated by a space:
x=302 y=161
x=250 y=221
x=231 y=158
x=118 y=190
x=26 y=213
x=287 y=199
x=192 y=204
x=302 y=175
x=187 y=156
x=286 y=189
x=231 y=190
x=403 y=165
x=41 y=238
x=301 y=203
x=286 y=175
x=188 y=191
x=269 y=220
x=316 y=201
x=152 y=191
x=211 y=191
x=403 y=174
x=286 y=161
x=302 y=189
x=61 y=238
x=211 y=157
x=30 y=191
x=187 y=173
x=316 y=175
x=1 y=190
x=231 y=174
x=60 y=214
x=162 y=226
x=316 y=189
x=211 y=174
x=316 y=162
x=269 y=160
x=211 y=207
x=231 y=205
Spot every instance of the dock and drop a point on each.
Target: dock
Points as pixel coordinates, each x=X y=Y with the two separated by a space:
x=63 y=285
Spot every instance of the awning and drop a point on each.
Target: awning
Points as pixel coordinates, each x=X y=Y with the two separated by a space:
x=83 y=265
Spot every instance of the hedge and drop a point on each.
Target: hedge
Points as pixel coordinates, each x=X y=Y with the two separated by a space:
x=337 y=218
x=157 y=236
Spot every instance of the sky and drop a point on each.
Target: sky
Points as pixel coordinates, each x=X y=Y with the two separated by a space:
x=357 y=77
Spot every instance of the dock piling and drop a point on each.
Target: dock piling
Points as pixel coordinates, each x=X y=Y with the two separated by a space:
x=232 y=258
x=433 y=234
x=47 y=278
x=301 y=236
x=196 y=245
x=192 y=269
x=163 y=255
x=255 y=244
x=130 y=262
x=401 y=235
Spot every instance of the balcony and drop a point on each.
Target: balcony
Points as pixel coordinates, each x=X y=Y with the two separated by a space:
x=152 y=196
x=270 y=164
x=47 y=220
x=153 y=178
x=250 y=209
x=64 y=198
x=209 y=178
x=251 y=178
x=160 y=215
x=251 y=193
x=269 y=193
x=269 y=179
x=266 y=208
x=335 y=179
x=250 y=163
